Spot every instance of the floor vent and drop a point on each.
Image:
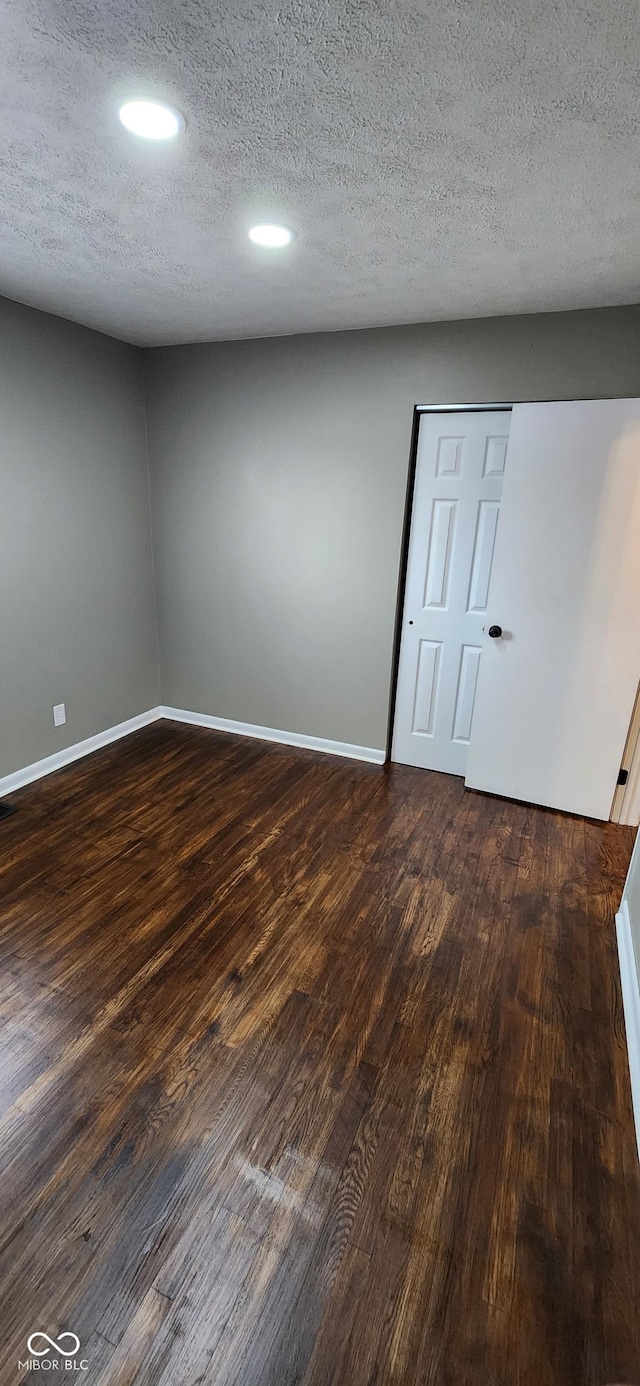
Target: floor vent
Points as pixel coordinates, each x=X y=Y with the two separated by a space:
x=6 y=810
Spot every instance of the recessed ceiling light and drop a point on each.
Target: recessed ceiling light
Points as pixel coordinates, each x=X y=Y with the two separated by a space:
x=152 y=120
x=270 y=235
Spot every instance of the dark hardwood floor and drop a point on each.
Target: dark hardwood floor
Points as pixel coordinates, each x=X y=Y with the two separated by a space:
x=312 y=1072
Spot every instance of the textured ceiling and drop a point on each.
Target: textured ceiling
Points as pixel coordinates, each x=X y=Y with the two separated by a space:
x=437 y=158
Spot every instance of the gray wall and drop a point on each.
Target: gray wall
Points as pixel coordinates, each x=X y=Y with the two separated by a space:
x=278 y=488
x=77 y=618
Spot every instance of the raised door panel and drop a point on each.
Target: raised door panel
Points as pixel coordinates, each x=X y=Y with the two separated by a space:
x=441 y=534
x=482 y=560
x=426 y=693
x=449 y=455
x=466 y=693
x=495 y=454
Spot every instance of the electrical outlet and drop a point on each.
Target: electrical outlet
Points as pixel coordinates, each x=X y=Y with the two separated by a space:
x=59 y=715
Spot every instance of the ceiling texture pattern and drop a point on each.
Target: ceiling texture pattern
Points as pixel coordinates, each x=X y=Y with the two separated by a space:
x=436 y=158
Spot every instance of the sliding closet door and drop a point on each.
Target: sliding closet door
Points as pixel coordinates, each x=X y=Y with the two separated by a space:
x=556 y=689
x=456 y=503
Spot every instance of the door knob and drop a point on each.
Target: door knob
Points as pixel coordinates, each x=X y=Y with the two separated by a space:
x=495 y=632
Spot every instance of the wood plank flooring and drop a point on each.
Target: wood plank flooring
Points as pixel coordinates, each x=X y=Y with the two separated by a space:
x=312 y=1072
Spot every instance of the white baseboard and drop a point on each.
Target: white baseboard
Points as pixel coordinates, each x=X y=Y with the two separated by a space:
x=308 y=743
x=631 y=1002
x=40 y=768
x=71 y=753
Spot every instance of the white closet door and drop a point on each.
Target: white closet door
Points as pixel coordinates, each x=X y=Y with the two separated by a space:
x=556 y=692
x=459 y=471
